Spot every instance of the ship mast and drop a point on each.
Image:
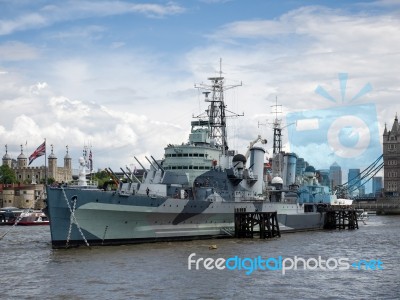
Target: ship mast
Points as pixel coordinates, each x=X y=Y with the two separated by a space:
x=216 y=111
x=277 y=145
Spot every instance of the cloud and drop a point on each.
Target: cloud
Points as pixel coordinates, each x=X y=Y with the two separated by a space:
x=127 y=101
x=36 y=88
x=288 y=57
x=75 y=10
x=27 y=21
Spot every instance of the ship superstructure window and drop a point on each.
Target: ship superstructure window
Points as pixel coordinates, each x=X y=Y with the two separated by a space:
x=188 y=168
x=186 y=155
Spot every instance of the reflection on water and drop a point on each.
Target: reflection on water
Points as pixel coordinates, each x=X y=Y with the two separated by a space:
x=31 y=269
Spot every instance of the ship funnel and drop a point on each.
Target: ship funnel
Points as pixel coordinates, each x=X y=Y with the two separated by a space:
x=289 y=168
x=257 y=163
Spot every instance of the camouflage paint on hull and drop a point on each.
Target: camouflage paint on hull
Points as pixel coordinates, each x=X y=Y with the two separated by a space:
x=110 y=218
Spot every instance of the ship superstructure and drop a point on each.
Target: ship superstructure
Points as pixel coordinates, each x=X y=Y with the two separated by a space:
x=208 y=145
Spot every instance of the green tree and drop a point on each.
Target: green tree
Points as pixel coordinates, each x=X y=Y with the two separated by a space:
x=7 y=175
x=101 y=177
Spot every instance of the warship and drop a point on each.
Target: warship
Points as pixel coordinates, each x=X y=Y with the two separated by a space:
x=191 y=193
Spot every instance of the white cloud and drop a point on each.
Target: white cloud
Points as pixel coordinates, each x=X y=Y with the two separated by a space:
x=75 y=10
x=23 y=22
x=36 y=88
x=129 y=102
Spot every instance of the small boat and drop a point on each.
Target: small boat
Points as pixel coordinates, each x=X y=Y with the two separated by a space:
x=8 y=215
x=33 y=217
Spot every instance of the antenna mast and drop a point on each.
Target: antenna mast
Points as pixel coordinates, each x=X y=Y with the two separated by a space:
x=216 y=111
x=277 y=145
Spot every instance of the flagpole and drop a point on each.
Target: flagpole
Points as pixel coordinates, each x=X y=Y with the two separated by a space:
x=45 y=163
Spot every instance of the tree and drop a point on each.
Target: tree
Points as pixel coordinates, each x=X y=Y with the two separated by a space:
x=7 y=175
x=101 y=177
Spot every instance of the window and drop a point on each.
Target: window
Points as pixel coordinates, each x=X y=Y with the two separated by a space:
x=392 y=186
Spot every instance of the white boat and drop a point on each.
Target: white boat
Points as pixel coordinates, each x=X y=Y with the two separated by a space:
x=32 y=218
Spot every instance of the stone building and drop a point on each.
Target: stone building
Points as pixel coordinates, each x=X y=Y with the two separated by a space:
x=391 y=159
x=33 y=175
x=29 y=191
x=22 y=196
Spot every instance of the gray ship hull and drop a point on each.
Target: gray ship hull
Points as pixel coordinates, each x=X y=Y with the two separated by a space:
x=110 y=218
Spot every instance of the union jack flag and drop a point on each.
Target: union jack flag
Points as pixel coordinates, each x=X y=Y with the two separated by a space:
x=90 y=161
x=41 y=150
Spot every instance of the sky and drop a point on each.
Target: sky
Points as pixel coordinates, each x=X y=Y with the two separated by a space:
x=119 y=76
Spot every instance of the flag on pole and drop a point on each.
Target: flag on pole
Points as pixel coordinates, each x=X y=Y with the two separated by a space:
x=90 y=161
x=41 y=150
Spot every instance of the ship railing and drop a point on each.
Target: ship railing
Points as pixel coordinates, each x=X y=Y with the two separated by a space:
x=75 y=183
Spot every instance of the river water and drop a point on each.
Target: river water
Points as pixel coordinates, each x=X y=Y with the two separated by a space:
x=31 y=269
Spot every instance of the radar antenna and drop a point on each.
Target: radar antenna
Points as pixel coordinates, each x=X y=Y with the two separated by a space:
x=277 y=144
x=216 y=112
